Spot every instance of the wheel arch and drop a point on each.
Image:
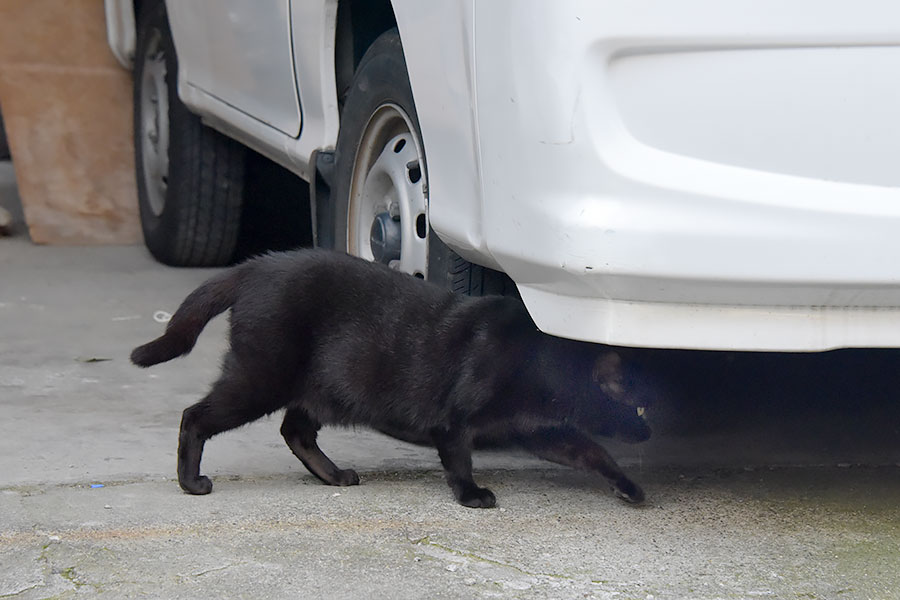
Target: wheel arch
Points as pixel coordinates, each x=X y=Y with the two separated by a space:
x=448 y=127
x=359 y=23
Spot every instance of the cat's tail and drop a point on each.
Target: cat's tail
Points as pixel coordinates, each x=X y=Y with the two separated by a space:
x=212 y=298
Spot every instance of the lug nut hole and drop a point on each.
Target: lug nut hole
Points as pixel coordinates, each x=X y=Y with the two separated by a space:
x=421 y=226
x=413 y=171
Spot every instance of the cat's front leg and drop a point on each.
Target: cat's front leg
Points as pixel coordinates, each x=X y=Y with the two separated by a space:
x=574 y=449
x=455 y=450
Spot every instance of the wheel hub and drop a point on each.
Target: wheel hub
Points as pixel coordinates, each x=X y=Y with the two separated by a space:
x=154 y=125
x=387 y=219
x=384 y=238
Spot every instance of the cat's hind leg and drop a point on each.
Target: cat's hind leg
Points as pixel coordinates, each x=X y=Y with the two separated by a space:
x=300 y=432
x=455 y=450
x=574 y=449
x=233 y=401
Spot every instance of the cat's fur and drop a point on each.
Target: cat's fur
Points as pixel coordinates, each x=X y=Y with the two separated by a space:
x=337 y=340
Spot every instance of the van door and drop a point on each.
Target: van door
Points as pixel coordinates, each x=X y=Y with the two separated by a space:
x=240 y=52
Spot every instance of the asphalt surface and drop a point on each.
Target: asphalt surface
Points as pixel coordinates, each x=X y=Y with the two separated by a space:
x=769 y=476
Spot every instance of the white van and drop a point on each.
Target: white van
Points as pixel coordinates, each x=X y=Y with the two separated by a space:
x=659 y=173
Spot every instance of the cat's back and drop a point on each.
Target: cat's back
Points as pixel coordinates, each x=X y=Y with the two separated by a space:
x=322 y=285
x=348 y=279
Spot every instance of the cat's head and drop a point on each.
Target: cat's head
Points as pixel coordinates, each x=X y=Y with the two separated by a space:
x=621 y=392
x=621 y=379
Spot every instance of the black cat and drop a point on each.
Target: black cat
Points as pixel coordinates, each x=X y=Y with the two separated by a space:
x=337 y=340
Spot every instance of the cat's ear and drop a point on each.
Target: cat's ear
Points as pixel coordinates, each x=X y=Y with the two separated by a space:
x=607 y=373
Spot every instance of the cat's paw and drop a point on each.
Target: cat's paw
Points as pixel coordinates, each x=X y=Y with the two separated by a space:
x=628 y=491
x=476 y=497
x=199 y=486
x=346 y=477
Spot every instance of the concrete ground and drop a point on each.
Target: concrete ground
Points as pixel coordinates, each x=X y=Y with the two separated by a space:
x=769 y=476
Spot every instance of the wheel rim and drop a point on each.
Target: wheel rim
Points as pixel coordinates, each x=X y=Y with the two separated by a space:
x=389 y=178
x=153 y=124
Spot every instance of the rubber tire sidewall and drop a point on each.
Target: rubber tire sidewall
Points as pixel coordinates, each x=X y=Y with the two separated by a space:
x=380 y=79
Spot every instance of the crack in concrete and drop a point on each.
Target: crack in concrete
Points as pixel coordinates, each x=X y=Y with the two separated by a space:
x=214 y=569
x=427 y=541
x=69 y=574
x=22 y=591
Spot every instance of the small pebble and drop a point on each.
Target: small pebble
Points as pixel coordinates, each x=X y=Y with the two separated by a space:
x=452 y=568
x=107 y=506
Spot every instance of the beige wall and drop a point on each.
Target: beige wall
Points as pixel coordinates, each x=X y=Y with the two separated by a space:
x=67 y=108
